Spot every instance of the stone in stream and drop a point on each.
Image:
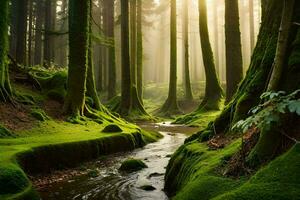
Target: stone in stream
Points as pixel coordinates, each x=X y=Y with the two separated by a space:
x=132 y=165
x=155 y=174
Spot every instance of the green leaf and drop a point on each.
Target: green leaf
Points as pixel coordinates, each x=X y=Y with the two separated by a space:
x=294 y=107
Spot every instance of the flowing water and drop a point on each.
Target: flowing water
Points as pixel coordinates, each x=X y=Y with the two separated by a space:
x=109 y=184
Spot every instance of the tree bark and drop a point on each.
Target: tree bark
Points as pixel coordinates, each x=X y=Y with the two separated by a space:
x=282 y=44
x=213 y=90
x=185 y=37
x=21 y=31
x=170 y=107
x=38 y=32
x=140 y=74
x=78 y=57
x=251 y=23
x=5 y=88
x=234 y=60
x=126 y=76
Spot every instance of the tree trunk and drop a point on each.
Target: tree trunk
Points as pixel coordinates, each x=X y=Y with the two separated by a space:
x=50 y=16
x=126 y=77
x=38 y=32
x=21 y=31
x=13 y=28
x=251 y=22
x=90 y=79
x=30 y=31
x=140 y=74
x=216 y=36
x=109 y=7
x=170 y=107
x=234 y=60
x=282 y=44
x=78 y=56
x=185 y=37
x=5 y=89
x=213 y=90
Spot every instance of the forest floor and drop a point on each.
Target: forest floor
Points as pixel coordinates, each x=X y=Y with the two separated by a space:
x=41 y=140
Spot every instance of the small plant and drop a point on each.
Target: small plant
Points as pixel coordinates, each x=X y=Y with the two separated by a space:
x=268 y=113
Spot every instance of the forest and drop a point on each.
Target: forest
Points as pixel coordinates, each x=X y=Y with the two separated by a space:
x=149 y=99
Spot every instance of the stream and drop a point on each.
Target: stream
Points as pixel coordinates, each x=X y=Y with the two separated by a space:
x=107 y=183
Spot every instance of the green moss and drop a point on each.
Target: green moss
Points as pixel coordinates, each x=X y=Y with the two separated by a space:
x=39 y=114
x=132 y=165
x=279 y=180
x=58 y=145
x=4 y=133
x=112 y=128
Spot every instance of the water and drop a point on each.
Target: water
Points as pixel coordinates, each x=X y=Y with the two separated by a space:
x=110 y=184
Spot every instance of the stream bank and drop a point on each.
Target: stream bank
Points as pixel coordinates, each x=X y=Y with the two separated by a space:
x=105 y=181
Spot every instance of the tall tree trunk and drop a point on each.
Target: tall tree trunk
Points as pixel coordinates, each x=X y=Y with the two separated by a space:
x=251 y=23
x=213 y=90
x=21 y=31
x=216 y=37
x=78 y=56
x=170 y=107
x=234 y=60
x=185 y=37
x=50 y=17
x=126 y=76
x=284 y=31
x=30 y=31
x=90 y=79
x=38 y=31
x=140 y=74
x=133 y=42
x=5 y=89
x=13 y=28
x=110 y=9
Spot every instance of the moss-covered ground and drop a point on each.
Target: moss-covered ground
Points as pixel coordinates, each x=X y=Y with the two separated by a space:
x=35 y=138
x=193 y=174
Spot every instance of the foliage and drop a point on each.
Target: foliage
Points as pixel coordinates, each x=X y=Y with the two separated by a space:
x=276 y=104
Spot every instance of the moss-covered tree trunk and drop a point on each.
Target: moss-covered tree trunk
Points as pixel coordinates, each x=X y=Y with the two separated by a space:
x=140 y=77
x=90 y=78
x=234 y=61
x=109 y=6
x=213 y=90
x=78 y=56
x=5 y=89
x=170 y=107
x=185 y=32
x=286 y=67
x=125 y=77
x=284 y=31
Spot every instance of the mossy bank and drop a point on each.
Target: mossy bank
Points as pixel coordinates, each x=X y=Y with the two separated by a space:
x=54 y=145
x=194 y=173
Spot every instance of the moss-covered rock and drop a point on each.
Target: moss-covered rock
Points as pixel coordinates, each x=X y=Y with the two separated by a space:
x=132 y=165
x=112 y=128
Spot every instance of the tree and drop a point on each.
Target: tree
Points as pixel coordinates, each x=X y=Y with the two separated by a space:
x=108 y=6
x=258 y=78
x=126 y=77
x=140 y=50
x=78 y=57
x=234 y=61
x=213 y=90
x=21 y=31
x=38 y=32
x=185 y=36
x=50 y=18
x=170 y=106
x=251 y=23
x=5 y=88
